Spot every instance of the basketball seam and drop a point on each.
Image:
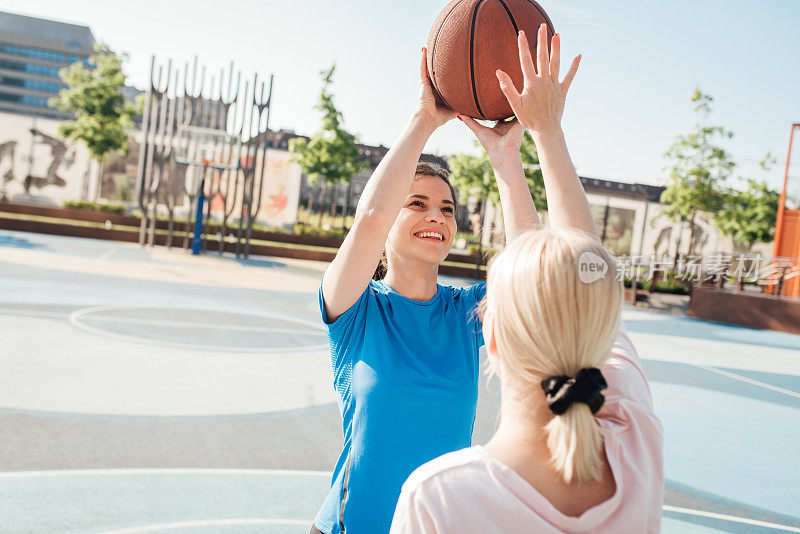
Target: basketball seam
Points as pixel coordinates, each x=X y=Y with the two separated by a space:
x=472 y=59
x=544 y=15
x=433 y=52
x=508 y=12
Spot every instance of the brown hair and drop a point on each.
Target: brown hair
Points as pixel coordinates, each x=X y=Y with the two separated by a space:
x=424 y=168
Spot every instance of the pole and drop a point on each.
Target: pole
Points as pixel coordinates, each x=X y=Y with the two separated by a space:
x=197 y=241
x=782 y=201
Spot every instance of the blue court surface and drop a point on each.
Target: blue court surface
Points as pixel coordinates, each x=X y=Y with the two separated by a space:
x=144 y=390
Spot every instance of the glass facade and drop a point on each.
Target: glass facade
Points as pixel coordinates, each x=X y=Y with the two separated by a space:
x=25 y=100
x=35 y=53
x=42 y=70
x=36 y=85
x=615 y=227
x=28 y=60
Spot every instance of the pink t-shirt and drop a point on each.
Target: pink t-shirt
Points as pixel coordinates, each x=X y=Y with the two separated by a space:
x=471 y=491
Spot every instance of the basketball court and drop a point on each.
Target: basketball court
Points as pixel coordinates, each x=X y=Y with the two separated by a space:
x=143 y=390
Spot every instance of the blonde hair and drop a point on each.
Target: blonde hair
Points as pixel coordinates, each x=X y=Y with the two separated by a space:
x=553 y=318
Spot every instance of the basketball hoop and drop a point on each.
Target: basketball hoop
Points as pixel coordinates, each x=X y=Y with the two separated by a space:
x=207 y=147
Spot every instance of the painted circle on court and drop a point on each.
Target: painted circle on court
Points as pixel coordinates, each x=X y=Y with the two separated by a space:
x=201 y=329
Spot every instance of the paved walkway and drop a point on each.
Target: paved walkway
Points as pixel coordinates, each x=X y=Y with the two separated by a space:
x=151 y=391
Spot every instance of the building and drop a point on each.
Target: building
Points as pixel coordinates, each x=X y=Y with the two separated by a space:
x=622 y=212
x=340 y=195
x=32 y=51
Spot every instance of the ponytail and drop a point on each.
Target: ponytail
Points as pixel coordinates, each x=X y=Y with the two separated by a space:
x=573 y=436
x=575 y=442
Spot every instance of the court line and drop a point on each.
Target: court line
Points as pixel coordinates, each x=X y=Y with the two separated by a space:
x=731 y=518
x=33 y=313
x=748 y=380
x=162 y=471
x=209 y=523
x=192 y=324
x=75 y=316
x=107 y=255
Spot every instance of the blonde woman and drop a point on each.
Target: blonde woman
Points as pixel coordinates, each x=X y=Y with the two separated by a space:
x=578 y=448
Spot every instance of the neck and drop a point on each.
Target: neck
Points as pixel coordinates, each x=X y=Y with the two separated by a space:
x=523 y=416
x=412 y=279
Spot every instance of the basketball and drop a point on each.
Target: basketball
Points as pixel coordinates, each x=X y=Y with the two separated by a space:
x=469 y=41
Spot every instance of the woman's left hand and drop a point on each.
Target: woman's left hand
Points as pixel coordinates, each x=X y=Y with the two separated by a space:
x=500 y=141
x=428 y=109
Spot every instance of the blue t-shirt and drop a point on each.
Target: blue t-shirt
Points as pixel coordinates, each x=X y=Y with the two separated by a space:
x=406 y=374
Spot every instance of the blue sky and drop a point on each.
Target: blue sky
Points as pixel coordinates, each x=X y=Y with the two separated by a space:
x=641 y=62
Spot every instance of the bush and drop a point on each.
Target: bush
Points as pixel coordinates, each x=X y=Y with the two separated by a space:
x=79 y=204
x=110 y=208
x=662 y=286
x=95 y=206
x=303 y=229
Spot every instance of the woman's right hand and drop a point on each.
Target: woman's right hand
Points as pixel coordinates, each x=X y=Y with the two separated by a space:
x=541 y=104
x=427 y=108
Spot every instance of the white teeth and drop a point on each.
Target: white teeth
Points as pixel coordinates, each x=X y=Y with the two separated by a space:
x=431 y=234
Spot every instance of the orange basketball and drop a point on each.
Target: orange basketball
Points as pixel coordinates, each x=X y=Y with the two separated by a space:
x=469 y=41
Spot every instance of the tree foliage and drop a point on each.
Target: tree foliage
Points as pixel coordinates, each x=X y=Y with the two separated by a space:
x=94 y=96
x=473 y=174
x=332 y=153
x=749 y=216
x=698 y=168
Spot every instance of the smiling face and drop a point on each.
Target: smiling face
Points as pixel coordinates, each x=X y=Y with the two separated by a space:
x=425 y=227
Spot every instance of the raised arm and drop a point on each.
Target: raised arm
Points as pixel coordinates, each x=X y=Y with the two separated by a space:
x=539 y=108
x=380 y=202
x=502 y=144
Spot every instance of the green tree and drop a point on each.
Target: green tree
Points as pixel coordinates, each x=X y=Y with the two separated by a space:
x=749 y=216
x=94 y=96
x=474 y=175
x=332 y=154
x=698 y=168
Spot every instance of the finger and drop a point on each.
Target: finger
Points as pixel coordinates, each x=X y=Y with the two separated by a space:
x=423 y=67
x=571 y=74
x=555 y=57
x=542 y=52
x=472 y=124
x=525 y=59
x=509 y=91
x=519 y=127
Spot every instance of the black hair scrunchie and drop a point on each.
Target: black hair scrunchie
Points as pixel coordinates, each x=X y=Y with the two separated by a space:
x=585 y=387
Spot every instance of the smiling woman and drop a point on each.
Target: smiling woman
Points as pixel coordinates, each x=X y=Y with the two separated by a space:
x=404 y=348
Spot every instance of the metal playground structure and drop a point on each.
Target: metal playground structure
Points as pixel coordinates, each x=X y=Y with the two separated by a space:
x=203 y=154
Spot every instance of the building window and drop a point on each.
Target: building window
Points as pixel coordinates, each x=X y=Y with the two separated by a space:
x=26 y=100
x=30 y=67
x=35 y=53
x=615 y=227
x=30 y=84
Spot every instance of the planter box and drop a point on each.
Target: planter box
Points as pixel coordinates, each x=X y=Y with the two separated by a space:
x=132 y=236
x=754 y=310
x=134 y=222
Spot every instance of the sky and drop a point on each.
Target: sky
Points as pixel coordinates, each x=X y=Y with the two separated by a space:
x=642 y=60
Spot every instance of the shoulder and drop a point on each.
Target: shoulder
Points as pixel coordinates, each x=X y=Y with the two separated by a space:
x=624 y=373
x=453 y=466
x=473 y=293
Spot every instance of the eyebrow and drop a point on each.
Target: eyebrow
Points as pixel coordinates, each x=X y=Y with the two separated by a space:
x=423 y=197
